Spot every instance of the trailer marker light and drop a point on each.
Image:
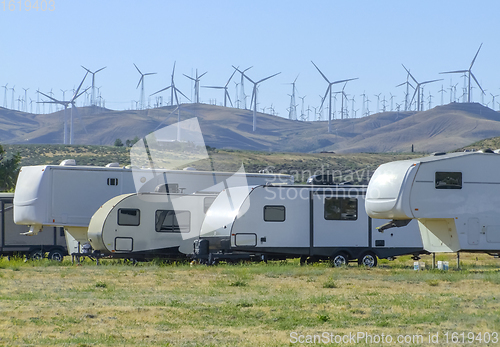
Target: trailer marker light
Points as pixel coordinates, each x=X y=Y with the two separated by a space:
x=416 y=209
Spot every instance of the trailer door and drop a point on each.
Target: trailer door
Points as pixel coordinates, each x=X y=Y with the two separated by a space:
x=339 y=219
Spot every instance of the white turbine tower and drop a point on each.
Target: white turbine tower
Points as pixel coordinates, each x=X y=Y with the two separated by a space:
x=141 y=82
x=25 y=99
x=254 y=94
x=5 y=96
x=92 y=96
x=196 y=85
x=292 y=111
x=329 y=93
x=469 y=74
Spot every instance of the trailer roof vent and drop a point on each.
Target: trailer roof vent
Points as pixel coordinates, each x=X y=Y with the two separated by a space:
x=486 y=150
x=435 y=154
x=189 y=169
x=68 y=162
x=113 y=165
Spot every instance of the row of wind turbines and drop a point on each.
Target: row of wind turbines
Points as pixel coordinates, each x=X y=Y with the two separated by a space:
x=413 y=100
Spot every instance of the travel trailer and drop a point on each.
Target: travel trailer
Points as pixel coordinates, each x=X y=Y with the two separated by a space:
x=50 y=242
x=311 y=222
x=67 y=195
x=455 y=198
x=149 y=225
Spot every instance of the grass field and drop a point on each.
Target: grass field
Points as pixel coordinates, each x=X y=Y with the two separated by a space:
x=276 y=304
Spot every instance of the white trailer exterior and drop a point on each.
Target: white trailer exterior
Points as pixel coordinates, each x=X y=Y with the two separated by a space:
x=455 y=198
x=318 y=222
x=149 y=225
x=68 y=195
x=12 y=241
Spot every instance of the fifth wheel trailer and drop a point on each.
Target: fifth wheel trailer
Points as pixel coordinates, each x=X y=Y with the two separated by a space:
x=314 y=222
x=455 y=198
x=68 y=195
x=13 y=242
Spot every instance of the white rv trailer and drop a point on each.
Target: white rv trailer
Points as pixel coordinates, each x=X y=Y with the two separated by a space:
x=314 y=222
x=149 y=225
x=13 y=242
x=68 y=195
x=455 y=198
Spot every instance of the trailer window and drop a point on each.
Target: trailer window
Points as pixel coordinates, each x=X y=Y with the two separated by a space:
x=448 y=180
x=170 y=221
x=129 y=216
x=207 y=202
x=341 y=208
x=112 y=181
x=274 y=213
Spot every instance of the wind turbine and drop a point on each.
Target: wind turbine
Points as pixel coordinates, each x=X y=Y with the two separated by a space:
x=243 y=96
x=329 y=93
x=418 y=88
x=141 y=82
x=5 y=96
x=442 y=91
x=493 y=101
x=196 y=85
x=469 y=75
x=226 y=93
x=92 y=97
x=173 y=90
x=292 y=112
x=26 y=99
x=71 y=102
x=254 y=94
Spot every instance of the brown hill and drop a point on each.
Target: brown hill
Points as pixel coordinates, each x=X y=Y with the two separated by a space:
x=442 y=128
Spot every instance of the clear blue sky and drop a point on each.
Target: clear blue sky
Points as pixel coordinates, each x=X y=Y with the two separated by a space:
x=346 y=39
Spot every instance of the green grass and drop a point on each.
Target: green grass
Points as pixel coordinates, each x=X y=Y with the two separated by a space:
x=258 y=304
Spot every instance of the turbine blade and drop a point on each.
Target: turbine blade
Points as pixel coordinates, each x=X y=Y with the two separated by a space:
x=138 y=69
x=203 y=74
x=431 y=81
x=214 y=87
x=320 y=72
x=191 y=78
x=342 y=81
x=140 y=80
x=100 y=69
x=78 y=89
x=455 y=71
x=230 y=78
x=227 y=94
x=262 y=80
x=409 y=73
x=161 y=90
x=473 y=60
x=177 y=90
x=474 y=77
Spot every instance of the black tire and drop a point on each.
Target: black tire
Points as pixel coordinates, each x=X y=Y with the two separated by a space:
x=36 y=254
x=368 y=259
x=339 y=259
x=56 y=254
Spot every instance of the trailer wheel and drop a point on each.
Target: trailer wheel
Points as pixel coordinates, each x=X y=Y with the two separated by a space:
x=37 y=254
x=339 y=259
x=56 y=255
x=368 y=259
